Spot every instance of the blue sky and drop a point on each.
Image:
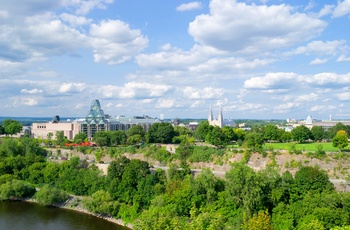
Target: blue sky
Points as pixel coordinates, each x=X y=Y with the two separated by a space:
x=258 y=59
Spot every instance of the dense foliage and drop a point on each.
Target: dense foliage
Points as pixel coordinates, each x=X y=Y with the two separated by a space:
x=173 y=198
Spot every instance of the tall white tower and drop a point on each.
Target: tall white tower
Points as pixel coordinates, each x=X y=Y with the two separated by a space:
x=210 y=117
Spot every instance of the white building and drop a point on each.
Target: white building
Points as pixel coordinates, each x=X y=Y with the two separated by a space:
x=216 y=122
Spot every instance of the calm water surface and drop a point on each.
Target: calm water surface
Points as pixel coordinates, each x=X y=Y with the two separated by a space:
x=29 y=216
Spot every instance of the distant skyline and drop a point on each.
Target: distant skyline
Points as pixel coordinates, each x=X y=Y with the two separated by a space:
x=259 y=59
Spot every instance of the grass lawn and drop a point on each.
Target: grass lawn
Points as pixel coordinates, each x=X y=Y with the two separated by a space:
x=328 y=147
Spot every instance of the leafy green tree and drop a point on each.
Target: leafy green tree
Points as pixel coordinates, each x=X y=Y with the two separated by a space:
x=318 y=133
x=183 y=130
x=254 y=141
x=286 y=136
x=203 y=130
x=339 y=126
x=340 y=140
x=134 y=173
x=35 y=173
x=102 y=138
x=48 y=195
x=117 y=137
x=311 y=225
x=136 y=129
x=301 y=133
x=11 y=147
x=31 y=146
x=116 y=168
x=230 y=133
x=216 y=137
x=271 y=133
x=259 y=221
x=80 y=137
x=184 y=150
x=206 y=187
x=2 y=130
x=11 y=127
x=244 y=187
x=16 y=189
x=51 y=173
x=136 y=134
x=60 y=138
x=49 y=138
x=313 y=179
x=160 y=133
x=241 y=134
x=101 y=203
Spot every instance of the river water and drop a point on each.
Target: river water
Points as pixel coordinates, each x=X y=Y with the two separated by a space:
x=30 y=216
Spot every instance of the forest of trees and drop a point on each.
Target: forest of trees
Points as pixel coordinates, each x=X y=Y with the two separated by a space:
x=175 y=199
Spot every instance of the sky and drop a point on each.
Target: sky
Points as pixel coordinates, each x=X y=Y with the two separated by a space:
x=258 y=59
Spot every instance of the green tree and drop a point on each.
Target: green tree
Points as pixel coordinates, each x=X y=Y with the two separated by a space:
x=182 y=130
x=184 y=150
x=117 y=137
x=230 y=133
x=318 y=133
x=202 y=130
x=271 y=133
x=339 y=126
x=102 y=138
x=259 y=221
x=80 y=137
x=11 y=147
x=241 y=134
x=101 y=203
x=161 y=133
x=244 y=187
x=2 y=130
x=136 y=134
x=311 y=179
x=11 y=127
x=340 y=140
x=60 y=138
x=216 y=137
x=311 y=225
x=16 y=189
x=136 y=129
x=254 y=141
x=286 y=136
x=48 y=195
x=301 y=133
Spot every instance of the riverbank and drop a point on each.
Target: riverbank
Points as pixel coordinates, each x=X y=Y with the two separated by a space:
x=74 y=203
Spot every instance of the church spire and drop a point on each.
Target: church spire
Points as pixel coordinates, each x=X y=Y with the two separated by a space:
x=210 y=117
x=220 y=117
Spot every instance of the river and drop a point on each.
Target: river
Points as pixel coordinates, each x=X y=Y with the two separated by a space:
x=23 y=215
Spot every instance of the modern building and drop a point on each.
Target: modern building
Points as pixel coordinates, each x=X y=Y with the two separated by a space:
x=42 y=130
x=95 y=121
x=310 y=122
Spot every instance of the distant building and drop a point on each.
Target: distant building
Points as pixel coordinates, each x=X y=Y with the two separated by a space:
x=325 y=124
x=216 y=122
x=95 y=121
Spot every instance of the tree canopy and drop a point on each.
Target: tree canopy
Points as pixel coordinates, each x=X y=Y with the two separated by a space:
x=161 y=133
x=301 y=134
x=11 y=127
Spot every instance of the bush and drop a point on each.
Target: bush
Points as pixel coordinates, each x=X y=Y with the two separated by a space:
x=16 y=189
x=204 y=154
x=48 y=195
x=101 y=203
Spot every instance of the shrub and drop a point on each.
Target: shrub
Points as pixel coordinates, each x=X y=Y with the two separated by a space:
x=16 y=189
x=48 y=195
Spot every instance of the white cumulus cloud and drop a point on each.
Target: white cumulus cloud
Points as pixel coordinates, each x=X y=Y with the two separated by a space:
x=235 y=26
x=115 y=42
x=189 y=6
